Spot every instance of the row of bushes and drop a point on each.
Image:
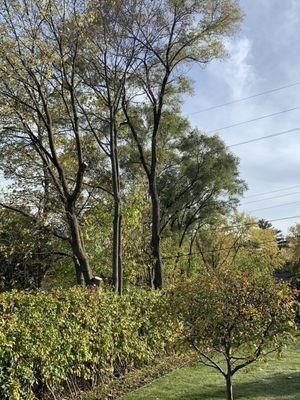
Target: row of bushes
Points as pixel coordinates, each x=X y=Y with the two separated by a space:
x=79 y=335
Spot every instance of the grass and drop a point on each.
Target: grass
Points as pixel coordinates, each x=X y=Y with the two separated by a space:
x=274 y=380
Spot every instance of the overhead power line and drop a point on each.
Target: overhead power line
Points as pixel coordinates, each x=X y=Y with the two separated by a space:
x=284 y=218
x=272 y=191
x=245 y=98
x=271 y=198
x=278 y=205
x=265 y=137
x=269 y=220
x=272 y=220
x=253 y=119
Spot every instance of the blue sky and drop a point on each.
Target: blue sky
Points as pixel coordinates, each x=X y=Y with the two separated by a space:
x=265 y=55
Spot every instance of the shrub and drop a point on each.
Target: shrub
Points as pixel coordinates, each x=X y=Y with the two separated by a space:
x=81 y=335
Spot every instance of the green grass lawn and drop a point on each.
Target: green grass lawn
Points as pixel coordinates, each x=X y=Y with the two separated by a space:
x=275 y=380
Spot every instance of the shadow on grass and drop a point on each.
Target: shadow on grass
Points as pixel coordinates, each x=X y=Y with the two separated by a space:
x=285 y=386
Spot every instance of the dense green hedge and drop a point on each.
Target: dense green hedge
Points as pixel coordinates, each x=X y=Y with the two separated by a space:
x=50 y=340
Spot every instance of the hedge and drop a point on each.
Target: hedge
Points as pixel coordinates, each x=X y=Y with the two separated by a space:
x=48 y=340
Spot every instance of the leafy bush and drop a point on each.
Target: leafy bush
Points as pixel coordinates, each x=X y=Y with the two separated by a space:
x=81 y=335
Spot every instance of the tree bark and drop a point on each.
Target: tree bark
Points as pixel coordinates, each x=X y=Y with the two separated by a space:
x=229 y=391
x=157 y=275
x=120 y=257
x=82 y=262
x=116 y=256
x=116 y=246
x=228 y=376
x=79 y=274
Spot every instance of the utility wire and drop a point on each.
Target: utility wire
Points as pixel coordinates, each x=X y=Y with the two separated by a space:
x=265 y=137
x=271 y=198
x=253 y=119
x=284 y=218
x=245 y=98
x=278 y=205
x=272 y=191
x=257 y=222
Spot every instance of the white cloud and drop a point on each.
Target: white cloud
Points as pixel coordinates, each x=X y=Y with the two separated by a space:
x=237 y=72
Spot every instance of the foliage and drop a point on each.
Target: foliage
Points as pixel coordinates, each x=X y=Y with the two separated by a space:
x=233 y=318
x=293 y=251
x=200 y=180
x=198 y=184
x=26 y=252
x=238 y=243
x=233 y=241
x=135 y=236
x=265 y=224
x=50 y=340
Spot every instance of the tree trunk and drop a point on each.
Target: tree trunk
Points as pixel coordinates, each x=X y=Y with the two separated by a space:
x=82 y=262
x=116 y=246
x=155 y=236
x=229 y=391
x=79 y=274
x=120 y=257
x=116 y=256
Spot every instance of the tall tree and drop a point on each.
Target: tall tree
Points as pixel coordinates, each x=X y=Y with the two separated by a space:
x=39 y=96
x=107 y=59
x=264 y=224
x=198 y=183
x=173 y=34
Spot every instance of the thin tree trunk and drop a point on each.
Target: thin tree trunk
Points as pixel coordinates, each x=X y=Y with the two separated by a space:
x=120 y=257
x=228 y=377
x=229 y=391
x=155 y=237
x=116 y=247
x=78 y=249
x=116 y=256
